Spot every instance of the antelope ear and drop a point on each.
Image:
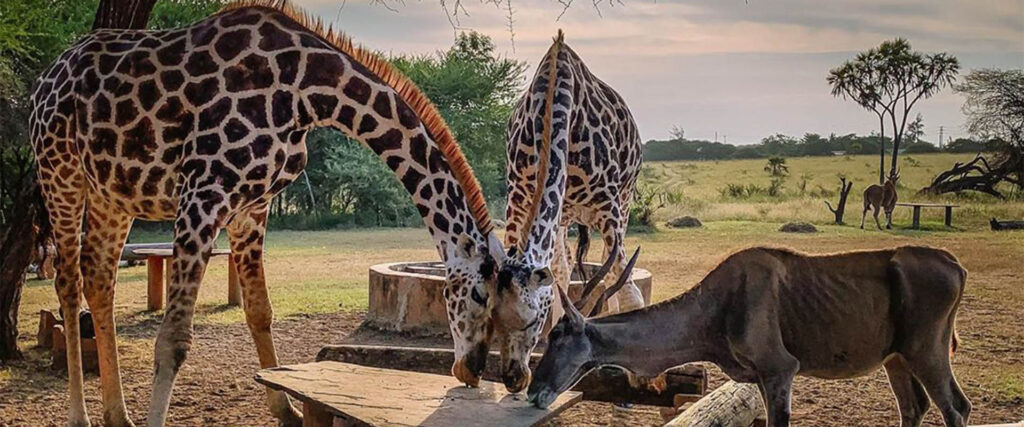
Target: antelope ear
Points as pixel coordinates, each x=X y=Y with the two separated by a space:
x=571 y=313
x=541 y=277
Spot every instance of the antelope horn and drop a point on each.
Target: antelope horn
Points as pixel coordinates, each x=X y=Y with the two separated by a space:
x=588 y=288
x=623 y=278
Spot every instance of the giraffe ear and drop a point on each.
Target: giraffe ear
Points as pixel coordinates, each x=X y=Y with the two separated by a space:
x=495 y=248
x=541 y=277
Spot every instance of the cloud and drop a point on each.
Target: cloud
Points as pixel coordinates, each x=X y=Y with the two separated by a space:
x=742 y=68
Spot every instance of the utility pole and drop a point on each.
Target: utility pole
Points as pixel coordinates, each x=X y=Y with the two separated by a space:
x=940 y=137
x=725 y=139
x=716 y=136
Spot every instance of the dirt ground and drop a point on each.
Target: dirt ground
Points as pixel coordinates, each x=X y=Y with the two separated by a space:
x=215 y=386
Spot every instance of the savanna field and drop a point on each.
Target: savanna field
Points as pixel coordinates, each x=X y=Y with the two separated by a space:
x=318 y=284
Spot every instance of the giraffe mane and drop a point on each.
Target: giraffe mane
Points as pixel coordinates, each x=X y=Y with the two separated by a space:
x=406 y=90
x=544 y=151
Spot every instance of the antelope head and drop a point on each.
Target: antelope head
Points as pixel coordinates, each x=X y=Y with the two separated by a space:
x=569 y=353
x=567 y=359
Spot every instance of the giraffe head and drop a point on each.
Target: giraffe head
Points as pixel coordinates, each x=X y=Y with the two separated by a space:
x=523 y=301
x=472 y=273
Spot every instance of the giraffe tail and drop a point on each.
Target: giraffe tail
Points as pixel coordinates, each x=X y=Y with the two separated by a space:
x=582 y=247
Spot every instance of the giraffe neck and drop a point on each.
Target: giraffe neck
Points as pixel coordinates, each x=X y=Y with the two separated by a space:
x=366 y=109
x=553 y=87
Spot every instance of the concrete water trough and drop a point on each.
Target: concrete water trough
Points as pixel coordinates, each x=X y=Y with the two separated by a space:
x=408 y=297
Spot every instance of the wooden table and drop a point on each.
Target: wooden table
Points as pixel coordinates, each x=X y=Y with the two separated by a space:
x=335 y=393
x=917 y=212
x=158 y=262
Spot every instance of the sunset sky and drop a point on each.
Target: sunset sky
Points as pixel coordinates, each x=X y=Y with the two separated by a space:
x=743 y=69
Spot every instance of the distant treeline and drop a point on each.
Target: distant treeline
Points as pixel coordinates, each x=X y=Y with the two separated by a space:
x=810 y=144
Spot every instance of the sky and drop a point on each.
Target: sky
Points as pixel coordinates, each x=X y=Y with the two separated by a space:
x=738 y=69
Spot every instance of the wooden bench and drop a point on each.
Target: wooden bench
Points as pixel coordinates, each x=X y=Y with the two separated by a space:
x=335 y=393
x=917 y=212
x=158 y=262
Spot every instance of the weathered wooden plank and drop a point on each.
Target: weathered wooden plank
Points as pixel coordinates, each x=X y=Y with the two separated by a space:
x=603 y=385
x=389 y=397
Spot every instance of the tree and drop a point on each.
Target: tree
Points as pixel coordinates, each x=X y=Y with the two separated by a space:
x=994 y=107
x=859 y=80
x=776 y=167
x=915 y=130
x=890 y=80
x=844 y=190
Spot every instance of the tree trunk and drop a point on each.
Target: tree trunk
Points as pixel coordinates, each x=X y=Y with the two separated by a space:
x=123 y=14
x=733 y=405
x=28 y=222
x=844 y=191
x=881 y=149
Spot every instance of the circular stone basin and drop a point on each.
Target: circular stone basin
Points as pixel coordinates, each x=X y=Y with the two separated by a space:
x=408 y=297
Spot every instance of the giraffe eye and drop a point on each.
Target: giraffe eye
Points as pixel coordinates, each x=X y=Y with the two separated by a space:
x=475 y=296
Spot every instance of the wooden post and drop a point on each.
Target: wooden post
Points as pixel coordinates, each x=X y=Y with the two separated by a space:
x=917 y=218
x=168 y=275
x=155 y=298
x=949 y=216
x=234 y=287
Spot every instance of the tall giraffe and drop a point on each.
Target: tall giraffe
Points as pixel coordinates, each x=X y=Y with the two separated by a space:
x=583 y=172
x=203 y=125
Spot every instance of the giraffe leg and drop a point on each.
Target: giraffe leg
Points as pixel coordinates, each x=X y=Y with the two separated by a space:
x=629 y=297
x=200 y=218
x=107 y=229
x=65 y=201
x=246 y=233
x=561 y=265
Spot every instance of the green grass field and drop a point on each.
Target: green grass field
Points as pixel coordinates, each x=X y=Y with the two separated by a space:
x=812 y=180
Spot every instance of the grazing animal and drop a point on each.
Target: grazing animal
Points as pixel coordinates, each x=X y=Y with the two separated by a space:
x=203 y=125
x=574 y=154
x=765 y=315
x=881 y=197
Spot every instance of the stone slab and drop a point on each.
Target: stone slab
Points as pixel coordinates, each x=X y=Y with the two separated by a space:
x=375 y=396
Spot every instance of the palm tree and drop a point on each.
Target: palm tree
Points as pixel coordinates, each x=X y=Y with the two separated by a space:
x=777 y=167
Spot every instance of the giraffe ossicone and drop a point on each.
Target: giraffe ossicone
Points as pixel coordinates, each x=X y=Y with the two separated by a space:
x=203 y=125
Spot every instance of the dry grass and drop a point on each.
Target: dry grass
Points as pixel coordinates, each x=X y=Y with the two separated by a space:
x=811 y=181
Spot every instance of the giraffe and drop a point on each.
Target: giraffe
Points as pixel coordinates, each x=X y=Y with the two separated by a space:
x=203 y=125
x=584 y=172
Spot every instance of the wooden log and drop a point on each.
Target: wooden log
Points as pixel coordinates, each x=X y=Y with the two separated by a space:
x=1006 y=225
x=602 y=385
x=731 y=405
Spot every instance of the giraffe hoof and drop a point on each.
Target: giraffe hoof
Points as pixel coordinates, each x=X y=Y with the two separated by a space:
x=117 y=419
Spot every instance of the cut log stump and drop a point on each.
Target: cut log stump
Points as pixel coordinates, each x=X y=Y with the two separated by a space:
x=731 y=405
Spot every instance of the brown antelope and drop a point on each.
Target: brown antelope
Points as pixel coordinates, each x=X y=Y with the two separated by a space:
x=765 y=315
x=881 y=197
